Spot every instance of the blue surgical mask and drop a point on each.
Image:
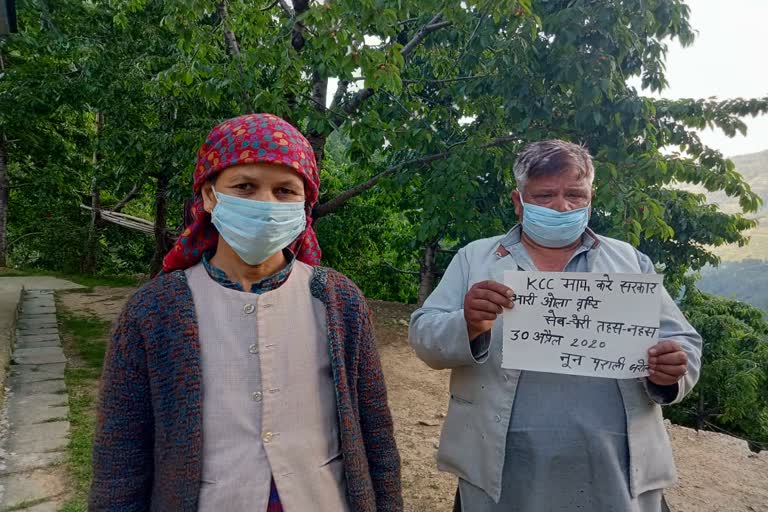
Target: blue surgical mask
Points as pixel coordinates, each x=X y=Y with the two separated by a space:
x=257 y=229
x=551 y=228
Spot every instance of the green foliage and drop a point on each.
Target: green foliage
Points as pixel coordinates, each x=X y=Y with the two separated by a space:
x=732 y=393
x=433 y=105
x=370 y=239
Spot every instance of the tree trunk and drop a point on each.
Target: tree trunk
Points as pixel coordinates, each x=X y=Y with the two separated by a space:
x=233 y=50
x=161 y=214
x=4 y=189
x=297 y=35
x=92 y=245
x=427 y=271
x=3 y=199
x=315 y=138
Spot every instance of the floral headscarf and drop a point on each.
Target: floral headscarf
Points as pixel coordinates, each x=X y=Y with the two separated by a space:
x=253 y=138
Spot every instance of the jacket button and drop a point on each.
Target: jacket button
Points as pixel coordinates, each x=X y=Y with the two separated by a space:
x=256 y=396
x=498 y=419
x=267 y=437
x=249 y=308
x=253 y=349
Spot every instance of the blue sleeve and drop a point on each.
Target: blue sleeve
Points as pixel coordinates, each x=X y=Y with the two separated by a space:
x=438 y=330
x=674 y=326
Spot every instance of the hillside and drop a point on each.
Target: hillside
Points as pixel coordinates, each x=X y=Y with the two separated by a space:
x=743 y=273
x=754 y=168
x=745 y=280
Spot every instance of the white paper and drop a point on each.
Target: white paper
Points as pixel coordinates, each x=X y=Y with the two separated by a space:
x=580 y=323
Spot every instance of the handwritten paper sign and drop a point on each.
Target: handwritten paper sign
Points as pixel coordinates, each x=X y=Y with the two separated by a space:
x=579 y=323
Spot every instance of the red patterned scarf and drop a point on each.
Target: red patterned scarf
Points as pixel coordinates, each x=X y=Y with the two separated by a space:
x=253 y=138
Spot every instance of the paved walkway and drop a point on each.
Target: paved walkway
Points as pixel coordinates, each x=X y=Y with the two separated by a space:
x=36 y=410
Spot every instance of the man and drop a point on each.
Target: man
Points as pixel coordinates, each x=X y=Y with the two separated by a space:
x=529 y=441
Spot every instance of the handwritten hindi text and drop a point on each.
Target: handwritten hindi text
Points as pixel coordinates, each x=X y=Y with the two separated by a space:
x=578 y=323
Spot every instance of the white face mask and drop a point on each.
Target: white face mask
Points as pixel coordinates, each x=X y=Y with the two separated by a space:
x=257 y=229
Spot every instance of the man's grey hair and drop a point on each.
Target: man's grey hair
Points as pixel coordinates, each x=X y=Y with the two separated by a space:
x=551 y=157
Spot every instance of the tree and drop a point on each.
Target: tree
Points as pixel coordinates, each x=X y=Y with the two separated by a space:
x=732 y=393
x=433 y=101
x=458 y=92
x=44 y=140
x=69 y=69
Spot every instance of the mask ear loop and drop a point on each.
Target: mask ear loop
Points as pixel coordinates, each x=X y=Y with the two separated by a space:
x=216 y=195
x=522 y=201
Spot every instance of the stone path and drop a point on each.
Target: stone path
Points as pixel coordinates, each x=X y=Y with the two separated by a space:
x=35 y=412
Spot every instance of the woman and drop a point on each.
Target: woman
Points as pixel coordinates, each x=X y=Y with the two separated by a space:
x=245 y=377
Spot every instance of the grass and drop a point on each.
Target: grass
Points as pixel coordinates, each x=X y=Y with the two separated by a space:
x=84 y=280
x=88 y=335
x=85 y=341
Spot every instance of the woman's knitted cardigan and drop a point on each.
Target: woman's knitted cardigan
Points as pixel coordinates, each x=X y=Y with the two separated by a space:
x=147 y=451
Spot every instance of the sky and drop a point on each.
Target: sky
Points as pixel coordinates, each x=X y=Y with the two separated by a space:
x=724 y=61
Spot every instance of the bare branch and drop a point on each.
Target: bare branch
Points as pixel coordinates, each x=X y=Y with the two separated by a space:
x=474 y=32
x=22 y=237
x=385 y=263
x=438 y=26
x=341 y=90
x=317 y=139
x=286 y=7
x=270 y=6
x=357 y=100
x=319 y=105
x=447 y=80
x=438 y=273
x=433 y=25
x=127 y=199
x=405 y=22
x=297 y=39
x=334 y=204
x=319 y=91
x=233 y=48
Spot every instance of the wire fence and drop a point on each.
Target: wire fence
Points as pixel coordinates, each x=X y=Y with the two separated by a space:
x=760 y=445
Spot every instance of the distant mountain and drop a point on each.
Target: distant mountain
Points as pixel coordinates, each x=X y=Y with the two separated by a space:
x=743 y=275
x=745 y=280
x=754 y=169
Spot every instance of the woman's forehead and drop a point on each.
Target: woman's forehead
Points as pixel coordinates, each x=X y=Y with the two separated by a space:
x=261 y=172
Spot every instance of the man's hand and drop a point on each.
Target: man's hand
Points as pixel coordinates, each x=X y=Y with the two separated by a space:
x=668 y=362
x=483 y=303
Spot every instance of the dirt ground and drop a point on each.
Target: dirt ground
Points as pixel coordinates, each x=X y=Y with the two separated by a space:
x=717 y=473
